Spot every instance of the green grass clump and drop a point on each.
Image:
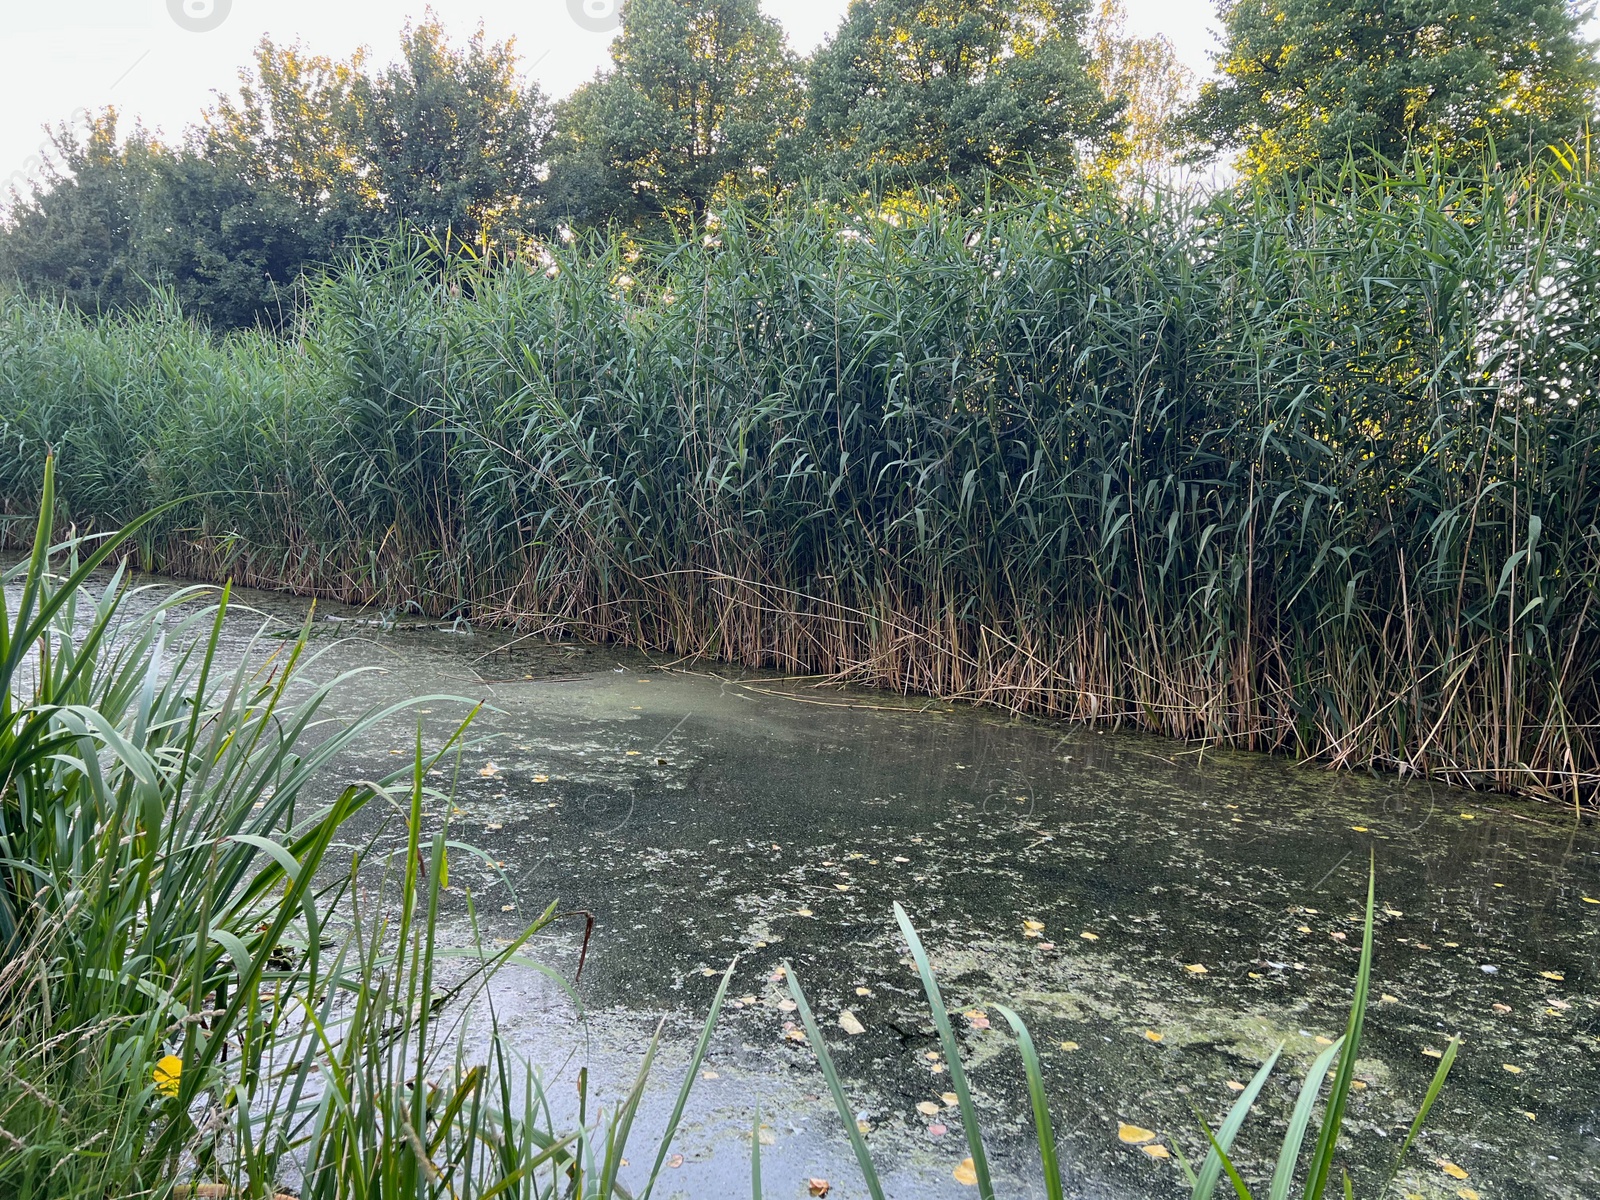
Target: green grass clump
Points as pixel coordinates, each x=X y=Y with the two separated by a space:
x=1301 y=468
x=194 y=999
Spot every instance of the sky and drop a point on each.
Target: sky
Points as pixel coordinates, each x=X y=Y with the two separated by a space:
x=161 y=60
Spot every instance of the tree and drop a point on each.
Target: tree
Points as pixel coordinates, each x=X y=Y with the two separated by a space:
x=455 y=140
x=1146 y=78
x=1308 y=81
x=920 y=92
x=700 y=97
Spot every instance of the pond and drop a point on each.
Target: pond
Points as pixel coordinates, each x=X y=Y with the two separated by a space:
x=1162 y=918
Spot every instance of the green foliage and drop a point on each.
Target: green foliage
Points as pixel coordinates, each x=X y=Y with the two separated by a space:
x=1296 y=471
x=1304 y=82
x=700 y=98
x=911 y=94
x=191 y=990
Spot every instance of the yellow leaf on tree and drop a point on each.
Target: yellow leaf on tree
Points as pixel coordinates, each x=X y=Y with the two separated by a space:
x=1134 y=1134
x=965 y=1173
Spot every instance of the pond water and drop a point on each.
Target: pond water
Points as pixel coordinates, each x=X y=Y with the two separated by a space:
x=1191 y=912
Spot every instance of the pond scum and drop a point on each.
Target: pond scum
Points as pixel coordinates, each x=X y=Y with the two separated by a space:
x=192 y=1007
x=1306 y=469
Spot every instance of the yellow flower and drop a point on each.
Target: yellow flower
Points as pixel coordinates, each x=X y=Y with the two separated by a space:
x=167 y=1073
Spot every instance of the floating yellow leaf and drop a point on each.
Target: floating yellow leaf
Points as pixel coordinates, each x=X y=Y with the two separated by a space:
x=1157 y=1151
x=1512 y=1067
x=1150 y=1035
x=1134 y=1134
x=1302 y=929
x=1323 y=1041
x=863 y=991
x=1468 y=1194
x=1392 y=912
x=965 y=1173
x=949 y=1097
x=849 y=1023
x=1255 y=974
x=167 y=1074
x=1432 y=1053
x=541 y=779
x=488 y=770
x=1089 y=937
x=843 y=887
x=1386 y=998
x=1069 y=1045
x=1196 y=968
x=1032 y=928
x=802 y=912
x=1468 y=817
x=1450 y=1169
x=1359 y=828
x=817 y=1187
x=927 y=1108
x=1233 y=1085
x=1555 y=975
x=787 y=1005
x=1529 y=1115
x=864 y=1125
x=1590 y=900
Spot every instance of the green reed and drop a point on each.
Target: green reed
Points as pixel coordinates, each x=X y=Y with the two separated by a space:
x=195 y=998
x=1304 y=468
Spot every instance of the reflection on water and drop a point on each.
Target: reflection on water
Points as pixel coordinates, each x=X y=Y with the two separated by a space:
x=1190 y=912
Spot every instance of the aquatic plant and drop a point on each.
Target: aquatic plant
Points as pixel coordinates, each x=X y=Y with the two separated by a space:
x=195 y=1000
x=1303 y=468
x=1317 y=1166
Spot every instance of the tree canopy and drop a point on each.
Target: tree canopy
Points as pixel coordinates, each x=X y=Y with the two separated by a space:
x=919 y=92
x=699 y=100
x=1307 y=81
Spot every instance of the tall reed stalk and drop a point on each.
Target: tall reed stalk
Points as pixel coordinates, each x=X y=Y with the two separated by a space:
x=1304 y=468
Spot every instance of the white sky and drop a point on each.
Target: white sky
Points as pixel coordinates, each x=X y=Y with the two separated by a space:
x=58 y=56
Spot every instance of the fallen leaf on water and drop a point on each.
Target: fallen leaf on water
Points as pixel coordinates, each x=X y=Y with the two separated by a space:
x=1359 y=828
x=1358 y=1085
x=1590 y=900
x=488 y=770
x=848 y=1023
x=709 y=1075
x=1337 y=936
x=1089 y=937
x=863 y=1125
x=541 y=779
x=949 y=1097
x=507 y=907
x=1150 y=1035
x=1500 y=1008
x=1450 y=1169
x=802 y=912
x=938 y=1130
x=1047 y=945
x=843 y=887
x=675 y=1161
x=1468 y=817
x=1529 y=1115
x=1032 y=928
x=794 y=1035
x=1386 y=998
x=1323 y=1041
x=777 y=976
x=1069 y=1045
x=1468 y=1194
x=1515 y=1070
x=494 y=825
x=1234 y=1085
x=787 y=1005
x=1196 y=968
x=1555 y=975
x=747 y=1000
x=927 y=1108
x=1432 y=1053
x=863 y=991
x=936 y=1068
x=1302 y=929
x=1392 y=912
x=966 y=1173
x=1134 y=1134
x=818 y=1187
x=900 y=858
x=708 y=971
x=1255 y=974
x=630 y=754
x=931 y=1055
x=1157 y=1151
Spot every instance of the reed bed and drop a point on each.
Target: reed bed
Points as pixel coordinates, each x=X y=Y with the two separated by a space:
x=1303 y=469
